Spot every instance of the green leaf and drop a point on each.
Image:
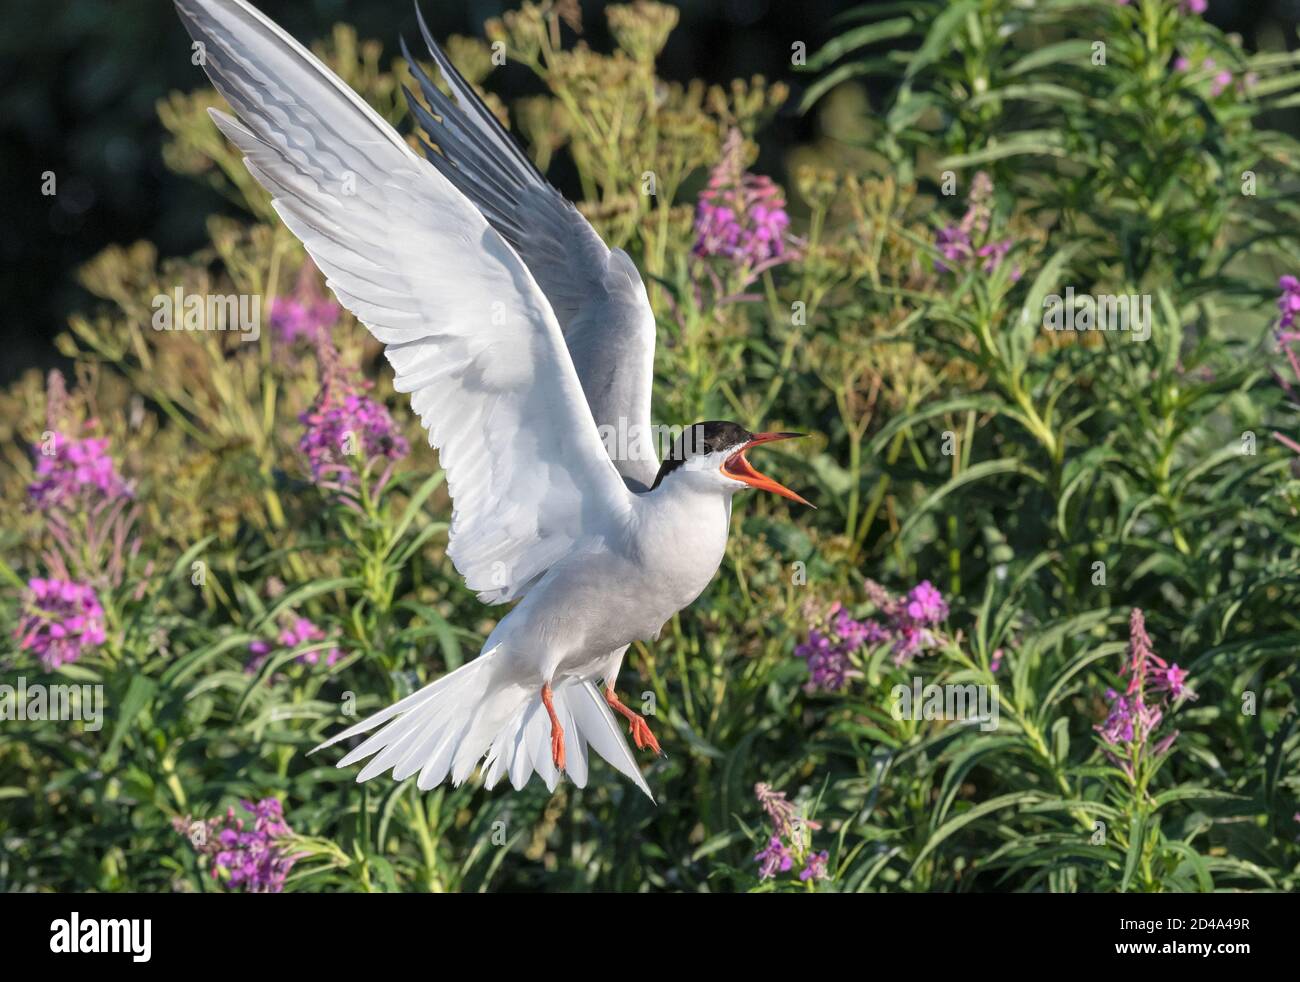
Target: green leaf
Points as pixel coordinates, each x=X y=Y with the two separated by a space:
x=978 y=403
x=1096 y=654
x=1031 y=92
x=834 y=77
x=976 y=472
x=1030 y=321
x=190 y=663
x=1192 y=858
x=294 y=598
x=1136 y=833
x=859 y=37
x=138 y=695
x=182 y=565
x=1194 y=794
x=940 y=33
x=413 y=507
x=973 y=814
x=1045 y=142
x=1077 y=51
x=1061 y=740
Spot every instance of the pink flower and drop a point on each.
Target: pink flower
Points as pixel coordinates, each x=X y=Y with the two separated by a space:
x=815 y=869
x=356 y=427
x=1139 y=710
x=78 y=472
x=773 y=859
x=925 y=604
x=1287 y=336
x=910 y=622
x=343 y=425
x=1289 y=305
x=300 y=632
x=740 y=216
x=790 y=838
x=306 y=314
x=957 y=243
x=62 y=620
x=247 y=860
x=1172 y=680
x=1129 y=720
x=291 y=319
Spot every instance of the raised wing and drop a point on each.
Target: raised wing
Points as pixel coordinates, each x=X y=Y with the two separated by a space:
x=468 y=332
x=596 y=292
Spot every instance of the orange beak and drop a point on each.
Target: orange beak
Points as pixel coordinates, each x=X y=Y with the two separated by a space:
x=739 y=469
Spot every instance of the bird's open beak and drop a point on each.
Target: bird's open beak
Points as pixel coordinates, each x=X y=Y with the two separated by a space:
x=740 y=469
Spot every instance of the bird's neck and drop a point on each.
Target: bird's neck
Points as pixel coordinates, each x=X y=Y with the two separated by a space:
x=676 y=489
x=683 y=508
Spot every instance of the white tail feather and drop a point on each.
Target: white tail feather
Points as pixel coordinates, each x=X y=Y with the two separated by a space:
x=446 y=728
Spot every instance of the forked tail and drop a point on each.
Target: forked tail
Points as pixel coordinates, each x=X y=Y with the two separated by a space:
x=447 y=727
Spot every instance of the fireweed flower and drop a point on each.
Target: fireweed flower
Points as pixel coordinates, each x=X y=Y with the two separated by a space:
x=89 y=510
x=1153 y=687
x=966 y=243
x=908 y=624
x=71 y=472
x=61 y=621
x=740 y=216
x=355 y=426
x=1128 y=719
x=1221 y=78
x=77 y=472
x=925 y=604
x=1171 y=679
x=1144 y=663
x=815 y=868
x=293 y=319
x=910 y=621
x=773 y=859
x=344 y=424
x=789 y=842
x=782 y=814
x=1287 y=336
x=833 y=637
x=250 y=860
x=1288 y=304
x=300 y=632
x=306 y=314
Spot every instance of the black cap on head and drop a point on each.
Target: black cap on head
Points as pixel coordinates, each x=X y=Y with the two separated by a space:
x=699 y=440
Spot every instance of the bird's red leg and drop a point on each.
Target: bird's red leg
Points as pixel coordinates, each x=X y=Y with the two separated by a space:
x=641 y=734
x=557 y=733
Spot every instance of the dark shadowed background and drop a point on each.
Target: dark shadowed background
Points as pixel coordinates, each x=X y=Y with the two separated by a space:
x=79 y=80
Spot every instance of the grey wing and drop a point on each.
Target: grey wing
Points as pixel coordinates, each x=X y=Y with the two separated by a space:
x=596 y=292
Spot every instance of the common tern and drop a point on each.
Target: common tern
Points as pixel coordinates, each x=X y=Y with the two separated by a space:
x=520 y=338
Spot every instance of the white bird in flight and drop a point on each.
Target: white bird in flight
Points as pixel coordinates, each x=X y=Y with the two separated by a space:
x=520 y=337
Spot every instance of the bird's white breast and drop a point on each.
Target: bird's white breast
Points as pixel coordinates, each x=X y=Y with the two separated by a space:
x=680 y=541
x=624 y=587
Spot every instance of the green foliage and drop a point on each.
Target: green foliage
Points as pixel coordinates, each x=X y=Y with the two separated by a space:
x=956 y=441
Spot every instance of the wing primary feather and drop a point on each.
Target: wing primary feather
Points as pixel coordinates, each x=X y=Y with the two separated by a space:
x=466 y=95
